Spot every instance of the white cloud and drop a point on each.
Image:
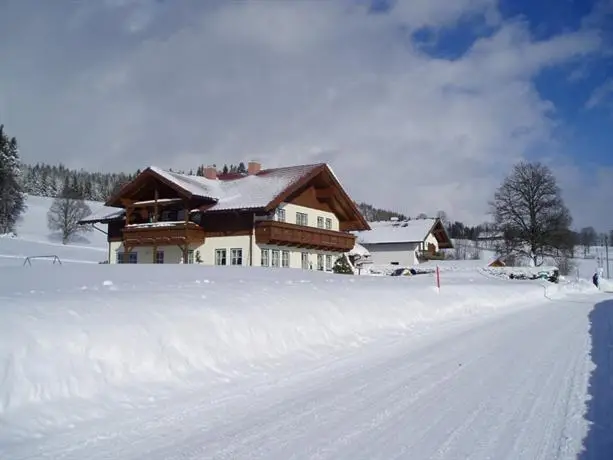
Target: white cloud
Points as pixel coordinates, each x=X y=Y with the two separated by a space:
x=292 y=82
x=586 y=192
x=600 y=95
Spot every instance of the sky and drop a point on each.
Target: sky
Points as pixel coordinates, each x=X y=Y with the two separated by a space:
x=418 y=106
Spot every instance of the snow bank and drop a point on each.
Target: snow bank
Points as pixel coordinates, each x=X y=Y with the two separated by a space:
x=80 y=332
x=605 y=285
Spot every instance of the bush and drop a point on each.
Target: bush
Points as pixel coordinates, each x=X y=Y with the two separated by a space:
x=342 y=266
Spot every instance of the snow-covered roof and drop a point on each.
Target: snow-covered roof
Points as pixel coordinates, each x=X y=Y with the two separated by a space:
x=409 y=231
x=359 y=250
x=102 y=214
x=250 y=191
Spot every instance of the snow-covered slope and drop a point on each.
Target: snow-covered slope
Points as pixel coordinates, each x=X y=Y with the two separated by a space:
x=33 y=238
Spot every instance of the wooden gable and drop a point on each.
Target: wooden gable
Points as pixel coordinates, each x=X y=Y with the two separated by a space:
x=441 y=235
x=146 y=186
x=320 y=190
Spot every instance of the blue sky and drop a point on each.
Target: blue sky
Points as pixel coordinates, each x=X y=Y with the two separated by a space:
x=418 y=105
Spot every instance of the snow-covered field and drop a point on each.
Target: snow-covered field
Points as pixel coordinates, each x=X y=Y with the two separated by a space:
x=34 y=239
x=187 y=361
x=82 y=344
x=83 y=331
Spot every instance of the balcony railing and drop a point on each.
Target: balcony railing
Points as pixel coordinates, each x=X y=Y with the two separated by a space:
x=286 y=234
x=163 y=234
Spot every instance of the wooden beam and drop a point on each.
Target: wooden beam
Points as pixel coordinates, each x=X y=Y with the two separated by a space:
x=155 y=205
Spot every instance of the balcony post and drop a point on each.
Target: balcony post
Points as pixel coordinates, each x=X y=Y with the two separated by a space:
x=155 y=205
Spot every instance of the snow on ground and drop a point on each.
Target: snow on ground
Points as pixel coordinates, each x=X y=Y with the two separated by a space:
x=185 y=361
x=34 y=239
x=82 y=332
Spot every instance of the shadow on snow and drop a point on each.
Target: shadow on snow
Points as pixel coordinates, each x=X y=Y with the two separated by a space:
x=598 y=443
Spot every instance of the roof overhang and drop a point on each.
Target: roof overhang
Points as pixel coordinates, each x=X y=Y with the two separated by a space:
x=116 y=216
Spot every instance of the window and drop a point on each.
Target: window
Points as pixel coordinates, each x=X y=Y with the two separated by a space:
x=285 y=259
x=131 y=259
x=328 y=223
x=159 y=257
x=281 y=214
x=304 y=257
x=220 y=257
x=265 y=262
x=320 y=262
x=320 y=222
x=275 y=257
x=328 y=262
x=190 y=256
x=236 y=256
x=302 y=219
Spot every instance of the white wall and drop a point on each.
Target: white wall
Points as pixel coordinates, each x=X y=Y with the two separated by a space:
x=295 y=256
x=172 y=254
x=292 y=209
x=113 y=247
x=403 y=253
x=207 y=250
x=430 y=239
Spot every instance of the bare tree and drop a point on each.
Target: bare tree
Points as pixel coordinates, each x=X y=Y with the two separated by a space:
x=461 y=249
x=65 y=213
x=442 y=215
x=529 y=210
x=588 y=238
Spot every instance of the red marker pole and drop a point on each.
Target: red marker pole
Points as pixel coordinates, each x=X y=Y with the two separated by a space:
x=438 y=278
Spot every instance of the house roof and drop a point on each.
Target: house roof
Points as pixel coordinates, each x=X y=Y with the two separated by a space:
x=245 y=192
x=104 y=214
x=359 y=250
x=406 y=231
x=264 y=190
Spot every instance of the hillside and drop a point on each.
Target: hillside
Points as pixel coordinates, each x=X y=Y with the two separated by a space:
x=33 y=238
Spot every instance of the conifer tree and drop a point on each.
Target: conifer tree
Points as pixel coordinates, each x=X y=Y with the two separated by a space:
x=12 y=196
x=342 y=266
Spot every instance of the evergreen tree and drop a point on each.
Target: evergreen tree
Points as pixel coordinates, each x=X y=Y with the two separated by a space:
x=12 y=196
x=342 y=266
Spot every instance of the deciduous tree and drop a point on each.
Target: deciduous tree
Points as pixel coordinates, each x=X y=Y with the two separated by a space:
x=65 y=213
x=529 y=209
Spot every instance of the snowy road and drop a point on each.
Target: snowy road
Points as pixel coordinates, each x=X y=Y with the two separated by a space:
x=512 y=386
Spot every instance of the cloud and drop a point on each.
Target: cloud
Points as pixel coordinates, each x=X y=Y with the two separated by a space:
x=586 y=192
x=600 y=95
x=294 y=82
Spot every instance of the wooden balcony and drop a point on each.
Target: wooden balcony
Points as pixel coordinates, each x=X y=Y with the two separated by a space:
x=163 y=234
x=285 y=234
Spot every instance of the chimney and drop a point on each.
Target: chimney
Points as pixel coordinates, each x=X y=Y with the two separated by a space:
x=253 y=167
x=210 y=172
